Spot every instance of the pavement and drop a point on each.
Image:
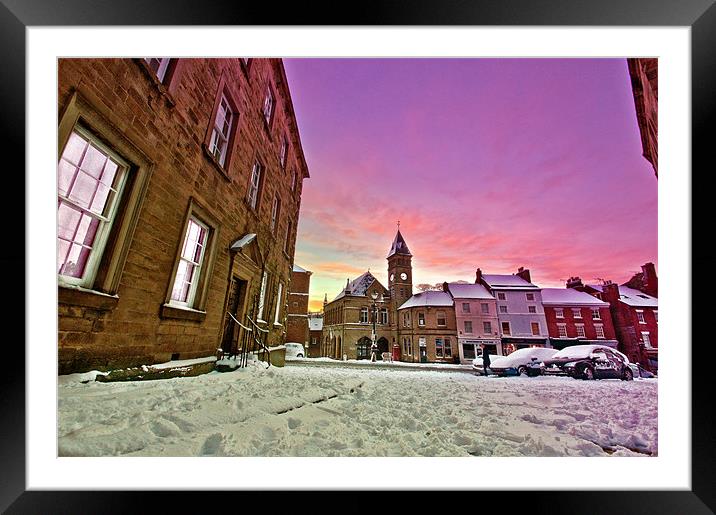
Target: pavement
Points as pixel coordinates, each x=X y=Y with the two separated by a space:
x=364 y=363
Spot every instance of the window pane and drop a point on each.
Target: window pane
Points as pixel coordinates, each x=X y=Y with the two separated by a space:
x=87 y=230
x=110 y=170
x=74 y=149
x=65 y=173
x=83 y=189
x=68 y=218
x=93 y=162
x=76 y=260
x=63 y=247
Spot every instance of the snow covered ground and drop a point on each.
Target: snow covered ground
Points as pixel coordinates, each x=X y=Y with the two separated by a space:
x=359 y=411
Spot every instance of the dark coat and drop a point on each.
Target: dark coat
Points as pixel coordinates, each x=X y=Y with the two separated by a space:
x=485 y=359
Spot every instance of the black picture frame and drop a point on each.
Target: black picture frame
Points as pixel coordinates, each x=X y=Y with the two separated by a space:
x=17 y=15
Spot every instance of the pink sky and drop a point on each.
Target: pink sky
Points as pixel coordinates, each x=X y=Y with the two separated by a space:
x=490 y=163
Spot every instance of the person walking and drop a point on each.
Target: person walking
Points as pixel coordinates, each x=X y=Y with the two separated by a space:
x=485 y=360
x=373 y=351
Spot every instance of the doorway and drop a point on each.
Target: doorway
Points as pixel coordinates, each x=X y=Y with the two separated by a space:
x=235 y=306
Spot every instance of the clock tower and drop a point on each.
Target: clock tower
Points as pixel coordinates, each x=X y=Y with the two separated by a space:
x=400 y=274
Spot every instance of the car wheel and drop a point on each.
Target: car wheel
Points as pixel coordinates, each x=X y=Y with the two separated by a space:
x=587 y=373
x=299 y=356
x=628 y=374
x=521 y=370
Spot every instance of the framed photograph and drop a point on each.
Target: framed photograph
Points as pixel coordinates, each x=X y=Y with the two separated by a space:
x=489 y=153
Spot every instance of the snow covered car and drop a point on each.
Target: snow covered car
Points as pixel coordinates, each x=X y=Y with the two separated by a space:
x=294 y=350
x=477 y=363
x=589 y=362
x=521 y=361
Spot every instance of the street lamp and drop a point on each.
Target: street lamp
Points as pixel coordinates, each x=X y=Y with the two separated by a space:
x=374 y=307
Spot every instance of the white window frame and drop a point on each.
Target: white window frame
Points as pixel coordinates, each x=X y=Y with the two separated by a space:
x=283 y=152
x=559 y=312
x=580 y=331
x=106 y=219
x=277 y=319
x=596 y=314
x=421 y=319
x=438 y=318
x=439 y=348
x=599 y=328
x=509 y=328
x=383 y=316
x=363 y=315
x=254 y=184
x=198 y=265
x=532 y=309
x=221 y=132
x=576 y=313
x=539 y=328
x=447 y=347
x=562 y=328
x=269 y=105
x=640 y=316
x=262 y=298
x=466 y=322
x=646 y=338
x=294 y=180
x=275 y=211
x=162 y=68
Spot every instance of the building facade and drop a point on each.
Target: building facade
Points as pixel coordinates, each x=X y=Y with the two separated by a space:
x=475 y=318
x=635 y=315
x=297 y=317
x=519 y=310
x=179 y=189
x=645 y=88
x=315 y=335
x=427 y=328
x=577 y=318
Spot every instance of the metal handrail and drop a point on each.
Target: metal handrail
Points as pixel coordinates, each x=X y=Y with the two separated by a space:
x=242 y=325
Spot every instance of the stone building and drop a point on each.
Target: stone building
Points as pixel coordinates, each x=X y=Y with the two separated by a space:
x=427 y=331
x=179 y=193
x=297 y=320
x=644 y=83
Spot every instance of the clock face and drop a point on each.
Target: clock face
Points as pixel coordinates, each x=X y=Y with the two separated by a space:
x=392 y=276
x=403 y=276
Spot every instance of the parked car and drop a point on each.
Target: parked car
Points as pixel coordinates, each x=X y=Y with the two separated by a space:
x=294 y=350
x=521 y=361
x=589 y=362
x=477 y=363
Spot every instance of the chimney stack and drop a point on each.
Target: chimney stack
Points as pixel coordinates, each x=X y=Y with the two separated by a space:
x=651 y=282
x=610 y=292
x=574 y=282
x=478 y=276
x=524 y=273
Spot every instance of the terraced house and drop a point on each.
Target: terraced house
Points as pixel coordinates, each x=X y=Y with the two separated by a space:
x=179 y=189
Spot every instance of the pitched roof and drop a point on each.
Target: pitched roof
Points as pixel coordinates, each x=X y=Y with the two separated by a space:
x=567 y=296
x=399 y=246
x=506 y=281
x=428 y=298
x=632 y=297
x=297 y=268
x=469 y=291
x=357 y=286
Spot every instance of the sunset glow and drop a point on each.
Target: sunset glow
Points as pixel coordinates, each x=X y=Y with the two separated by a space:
x=490 y=163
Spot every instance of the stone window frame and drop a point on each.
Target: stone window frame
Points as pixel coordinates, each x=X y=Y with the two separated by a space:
x=82 y=110
x=223 y=90
x=440 y=316
x=439 y=348
x=259 y=188
x=421 y=319
x=168 y=84
x=283 y=151
x=447 y=347
x=279 y=296
x=363 y=319
x=275 y=212
x=270 y=91
x=197 y=309
x=539 y=328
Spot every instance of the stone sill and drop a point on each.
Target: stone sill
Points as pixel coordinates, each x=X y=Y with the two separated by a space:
x=76 y=296
x=181 y=313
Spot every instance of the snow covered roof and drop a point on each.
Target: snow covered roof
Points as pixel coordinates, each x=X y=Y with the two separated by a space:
x=506 y=281
x=315 y=323
x=428 y=298
x=399 y=246
x=469 y=291
x=632 y=297
x=358 y=286
x=297 y=268
x=565 y=296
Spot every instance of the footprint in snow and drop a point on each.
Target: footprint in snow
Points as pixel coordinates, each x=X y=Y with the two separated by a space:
x=293 y=423
x=212 y=445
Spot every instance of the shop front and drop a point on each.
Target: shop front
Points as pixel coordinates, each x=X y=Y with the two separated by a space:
x=510 y=345
x=472 y=348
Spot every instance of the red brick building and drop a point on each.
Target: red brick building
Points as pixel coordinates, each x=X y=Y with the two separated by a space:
x=315 y=335
x=297 y=321
x=577 y=318
x=635 y=314
x=644 y=84
x=179 y=192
